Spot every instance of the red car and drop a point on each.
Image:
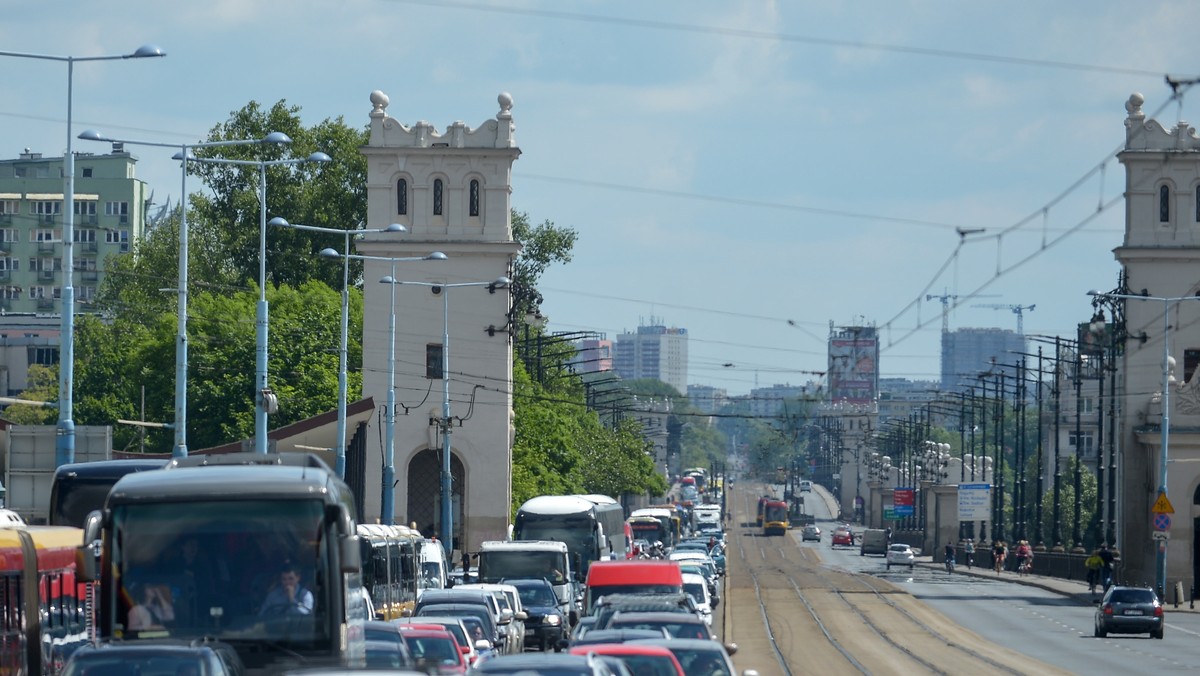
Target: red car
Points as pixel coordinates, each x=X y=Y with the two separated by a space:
x=641 y=659
x=435 y=651
x=843 y=537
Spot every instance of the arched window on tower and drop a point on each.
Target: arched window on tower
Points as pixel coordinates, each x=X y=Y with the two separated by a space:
x=1164 y=204
x=437 y=197
x=474 y=206
x=402 y=197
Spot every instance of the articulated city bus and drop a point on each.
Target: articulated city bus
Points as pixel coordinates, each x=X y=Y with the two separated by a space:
x=44 y=608
x=775 y=518
x=212 y=537
x=390 y=568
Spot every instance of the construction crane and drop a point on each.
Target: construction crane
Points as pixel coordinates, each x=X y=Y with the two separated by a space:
x=1018 y=310
x=946 y=298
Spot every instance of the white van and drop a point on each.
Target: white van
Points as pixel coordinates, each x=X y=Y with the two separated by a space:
x=434 y=569
x=805 y=486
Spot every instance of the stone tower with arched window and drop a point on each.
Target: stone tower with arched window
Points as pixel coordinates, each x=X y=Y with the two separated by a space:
x=1160 y=257
x=452 y=192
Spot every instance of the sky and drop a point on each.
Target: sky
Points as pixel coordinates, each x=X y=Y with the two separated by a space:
x=752 y=171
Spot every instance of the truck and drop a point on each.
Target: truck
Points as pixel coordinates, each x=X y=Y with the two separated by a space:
x=501 y=560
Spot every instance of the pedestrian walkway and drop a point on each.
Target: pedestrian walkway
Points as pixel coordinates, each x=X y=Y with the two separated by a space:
x=1074 y=589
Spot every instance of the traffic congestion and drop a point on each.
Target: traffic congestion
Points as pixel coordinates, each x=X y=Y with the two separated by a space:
x=295 y=585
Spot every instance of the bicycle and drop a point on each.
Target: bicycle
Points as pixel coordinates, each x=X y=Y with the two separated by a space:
x=1025 y=565
x=950 y=565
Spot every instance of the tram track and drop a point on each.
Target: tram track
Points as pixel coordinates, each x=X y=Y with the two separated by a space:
x=816 y=619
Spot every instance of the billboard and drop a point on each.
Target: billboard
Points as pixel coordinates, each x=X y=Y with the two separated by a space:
x=853 y=365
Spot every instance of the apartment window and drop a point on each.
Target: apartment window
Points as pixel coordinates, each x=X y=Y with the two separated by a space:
x=10 y=292
x=9 y=235
x=85 y=294
x=474 y=206
x=38 y=293
x=402 y=197
x=45 y=207
x=45 y=356
x=1191 y=358
x=43 y=264
x=437 y=197
x=9 y=207
x=45 y=235
x=1164 y=204
x=87 y=208
x=85 y=264
x=433 y=361
x=1086 y=438
x=10 y=264
x=116 y=209
x=116 y=237
x=87 y=172
x=83 y=235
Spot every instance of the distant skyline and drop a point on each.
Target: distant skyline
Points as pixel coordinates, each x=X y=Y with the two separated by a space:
x=750 y=170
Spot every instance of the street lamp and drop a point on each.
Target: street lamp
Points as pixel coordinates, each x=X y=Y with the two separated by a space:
x=447 y=530
x=64 y=446
x=181 y=351
x=1161 y=550
x=341 y=423
x=386 y=501
x=264 y=400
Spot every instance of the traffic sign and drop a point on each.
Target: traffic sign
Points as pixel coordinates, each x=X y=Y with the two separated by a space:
x=1162 y=505
x=1162 y=522
x=1161 y=535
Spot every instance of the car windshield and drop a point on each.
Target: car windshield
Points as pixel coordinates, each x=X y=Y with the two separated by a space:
x=899 y=548
x=537 y=596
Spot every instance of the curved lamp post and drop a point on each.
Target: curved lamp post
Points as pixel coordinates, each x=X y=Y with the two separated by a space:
x=387 y=498
x=65 y=439
x=181 y=352
x=447 y=530
x=264 y=399
x=340 y=449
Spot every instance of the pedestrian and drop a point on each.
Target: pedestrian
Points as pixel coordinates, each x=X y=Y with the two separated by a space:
x=1093 y=564
x=969 y=552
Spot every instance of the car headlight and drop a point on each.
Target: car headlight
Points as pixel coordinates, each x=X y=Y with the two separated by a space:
x=553 y=620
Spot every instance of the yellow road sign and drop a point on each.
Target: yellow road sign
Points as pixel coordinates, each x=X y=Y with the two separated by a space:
x=1162 y=505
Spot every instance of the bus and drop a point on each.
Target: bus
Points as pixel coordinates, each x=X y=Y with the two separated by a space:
x=775 y=518
x=649 y=529
x=667 y=517
x=44 y=606
x=610 y=513
x=81 y=487
x=592 y=530
x=390 y=568
x=257 y=518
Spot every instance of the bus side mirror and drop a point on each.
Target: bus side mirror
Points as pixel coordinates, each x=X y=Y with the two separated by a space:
x=350 y=553
x=87 y=556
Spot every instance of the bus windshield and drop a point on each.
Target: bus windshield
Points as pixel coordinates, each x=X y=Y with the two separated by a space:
x=248 y=570
x=577 y=533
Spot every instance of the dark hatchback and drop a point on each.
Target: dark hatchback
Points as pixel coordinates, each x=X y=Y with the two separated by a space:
x=1129 y=610
x=545 y=625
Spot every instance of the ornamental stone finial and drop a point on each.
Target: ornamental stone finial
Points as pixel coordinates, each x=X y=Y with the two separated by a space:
x=379 y=103
x=1134 y=105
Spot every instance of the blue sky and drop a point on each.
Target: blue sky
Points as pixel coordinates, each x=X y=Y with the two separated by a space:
x=748 y=170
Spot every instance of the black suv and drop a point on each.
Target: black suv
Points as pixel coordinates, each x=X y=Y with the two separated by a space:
x=545 y=625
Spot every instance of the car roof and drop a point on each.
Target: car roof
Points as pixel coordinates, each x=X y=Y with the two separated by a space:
x=533 y=662
x=657 y=616
x=618 y=635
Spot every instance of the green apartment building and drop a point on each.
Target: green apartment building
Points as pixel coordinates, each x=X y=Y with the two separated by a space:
x=110 y=208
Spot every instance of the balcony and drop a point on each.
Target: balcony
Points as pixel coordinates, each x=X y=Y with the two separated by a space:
x=6 y=247
x=47 y=248
x=45 y=303
x=6 y=219
x=90 y=275
x=89 y=247
x=48 y=219
x=46 y=275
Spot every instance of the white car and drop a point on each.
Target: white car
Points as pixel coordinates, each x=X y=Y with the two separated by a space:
x=697 y=587
x=811 y=532
x=901 y=555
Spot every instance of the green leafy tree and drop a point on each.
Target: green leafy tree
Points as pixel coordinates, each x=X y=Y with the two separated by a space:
x=330 y=194
x=43 y=387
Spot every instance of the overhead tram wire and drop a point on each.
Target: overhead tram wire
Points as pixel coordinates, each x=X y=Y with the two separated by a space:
x=1102 y=207
x=786 y=38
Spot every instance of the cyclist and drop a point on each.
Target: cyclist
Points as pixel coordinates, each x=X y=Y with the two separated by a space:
x=1106 y=569
x=999 y=554
x=950 y=556
x=969 y=552
x=1024 y=557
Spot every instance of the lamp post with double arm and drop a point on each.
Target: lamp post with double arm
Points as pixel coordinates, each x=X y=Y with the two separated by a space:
x=64 y=444
x=181 y=346
x=446 y=423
